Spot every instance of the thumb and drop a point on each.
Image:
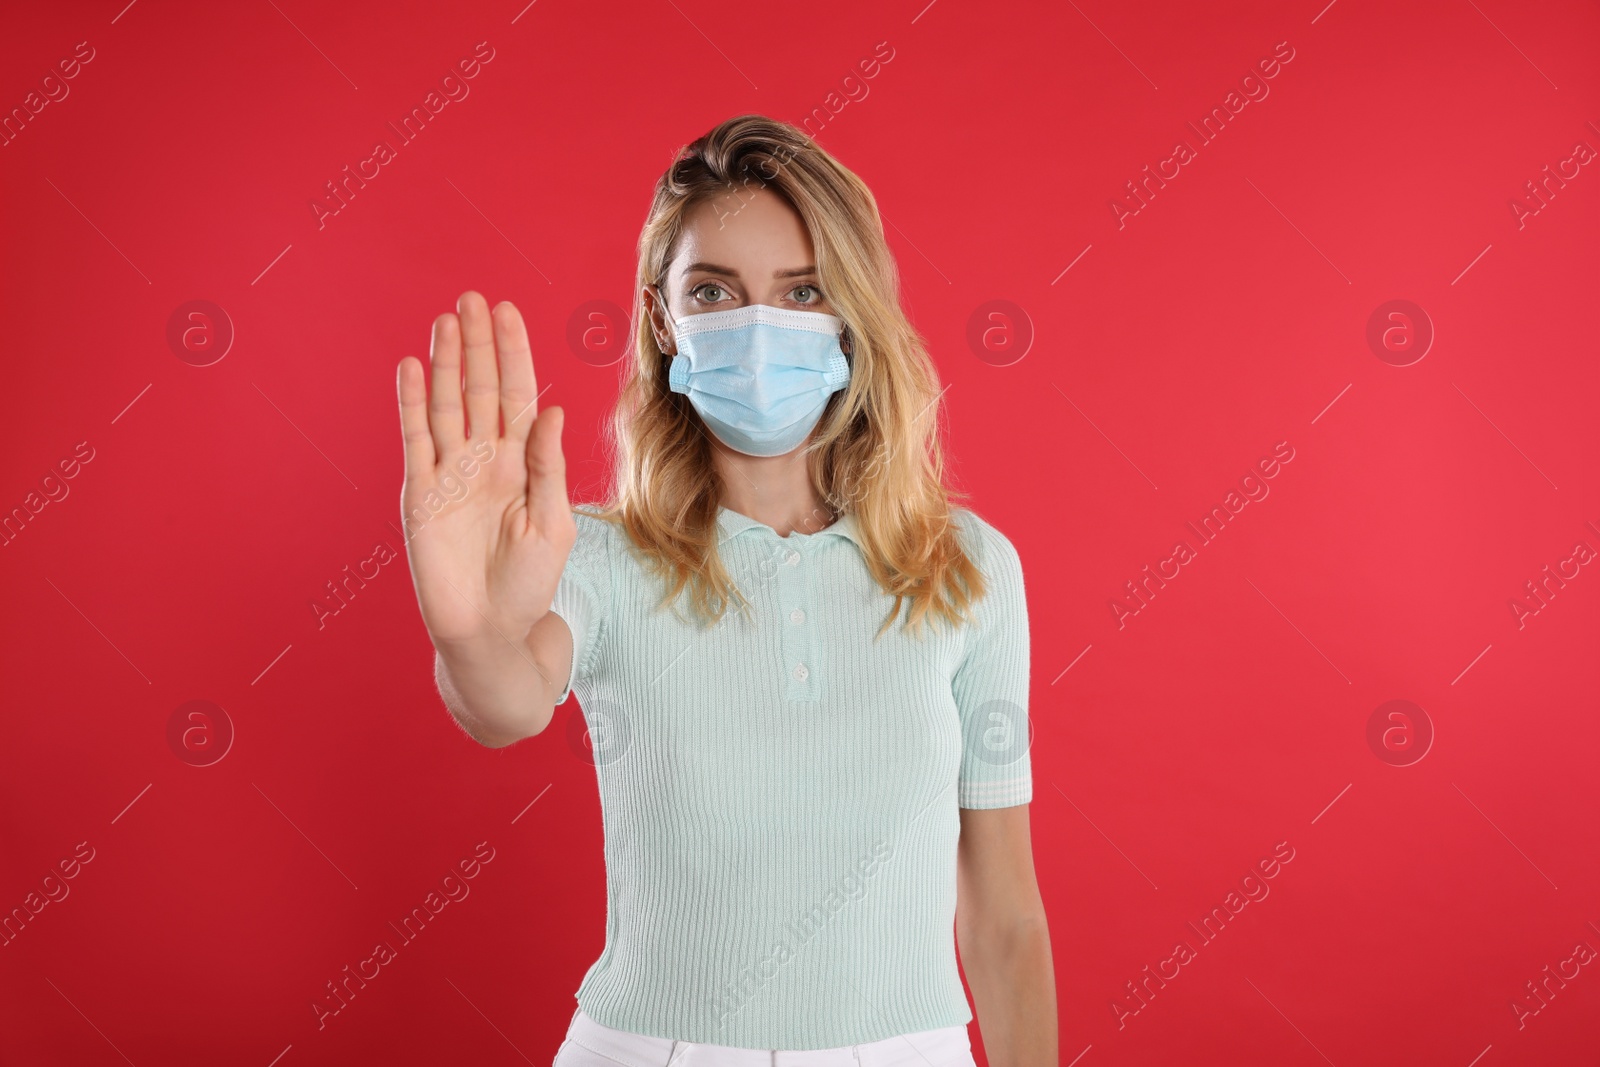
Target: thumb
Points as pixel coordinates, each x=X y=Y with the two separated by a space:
x=547 y=467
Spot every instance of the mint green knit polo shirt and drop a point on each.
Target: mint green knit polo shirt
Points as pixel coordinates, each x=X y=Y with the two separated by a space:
x=780 y=792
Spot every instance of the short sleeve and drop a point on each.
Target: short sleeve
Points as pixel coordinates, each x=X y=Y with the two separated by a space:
x=583 y=597
x=991 y=683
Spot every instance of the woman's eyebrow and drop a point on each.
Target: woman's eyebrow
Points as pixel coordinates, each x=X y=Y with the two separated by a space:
x=713 y=268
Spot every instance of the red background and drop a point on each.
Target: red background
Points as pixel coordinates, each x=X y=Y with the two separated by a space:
x=1225 y=316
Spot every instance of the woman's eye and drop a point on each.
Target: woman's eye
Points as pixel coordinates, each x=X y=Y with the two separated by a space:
x=704 y=286
x=816 y=294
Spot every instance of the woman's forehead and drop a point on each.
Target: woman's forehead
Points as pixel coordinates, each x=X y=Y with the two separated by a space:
x=755 y=234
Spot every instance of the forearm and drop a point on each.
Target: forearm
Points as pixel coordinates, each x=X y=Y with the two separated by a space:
x=1013 y=985
x=494 y=689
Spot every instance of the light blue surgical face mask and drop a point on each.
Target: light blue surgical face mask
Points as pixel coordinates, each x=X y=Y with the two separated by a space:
x=759 y=375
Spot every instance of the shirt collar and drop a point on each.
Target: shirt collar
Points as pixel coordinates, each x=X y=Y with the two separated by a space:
x=731 y=523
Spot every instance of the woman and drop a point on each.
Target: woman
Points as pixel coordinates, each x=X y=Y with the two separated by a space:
x=804 y=670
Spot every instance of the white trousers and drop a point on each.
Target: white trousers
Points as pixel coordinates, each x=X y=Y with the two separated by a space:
x=590 y=1044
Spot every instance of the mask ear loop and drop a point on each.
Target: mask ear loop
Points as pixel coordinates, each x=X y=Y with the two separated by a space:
x=661 y=300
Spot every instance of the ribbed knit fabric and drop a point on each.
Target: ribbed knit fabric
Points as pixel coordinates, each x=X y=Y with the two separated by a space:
x=780 y=793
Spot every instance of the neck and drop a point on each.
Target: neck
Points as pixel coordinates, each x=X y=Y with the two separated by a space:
x=773 y=490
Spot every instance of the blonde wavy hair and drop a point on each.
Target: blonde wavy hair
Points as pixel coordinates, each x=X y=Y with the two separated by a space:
x=876 y=452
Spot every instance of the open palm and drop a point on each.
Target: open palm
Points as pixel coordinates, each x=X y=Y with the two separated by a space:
x=487 y=521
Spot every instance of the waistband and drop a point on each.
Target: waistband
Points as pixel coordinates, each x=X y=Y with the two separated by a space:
x=939 y=1046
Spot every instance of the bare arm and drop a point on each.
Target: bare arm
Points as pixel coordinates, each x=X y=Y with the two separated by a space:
x=489 y=684
x=1004 y=938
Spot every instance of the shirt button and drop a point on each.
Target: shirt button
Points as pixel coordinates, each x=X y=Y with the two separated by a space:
x=797 y=615
x=801 y=673
x=792 y=559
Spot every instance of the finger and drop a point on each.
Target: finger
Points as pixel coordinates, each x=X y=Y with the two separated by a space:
x=483 y=377
x=444 y=402
x=420 y=456
x=547 y=469
x=518 y=386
